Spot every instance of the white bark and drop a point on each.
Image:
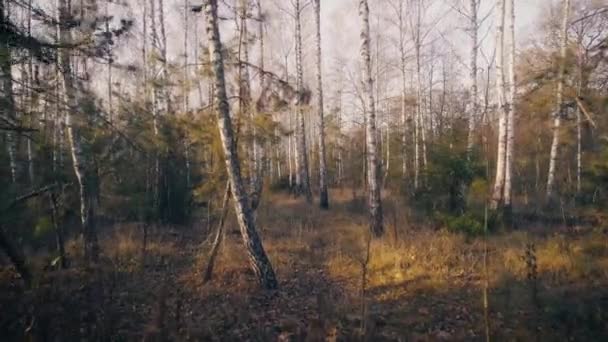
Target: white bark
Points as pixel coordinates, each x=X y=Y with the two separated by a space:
x=474 y=103
x=510 y=108
x=374 y=191
x=559 y=93
x=499 y=181
x=75 y=124
x=257 y=256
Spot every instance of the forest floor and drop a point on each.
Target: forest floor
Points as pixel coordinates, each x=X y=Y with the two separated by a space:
x=415 y=284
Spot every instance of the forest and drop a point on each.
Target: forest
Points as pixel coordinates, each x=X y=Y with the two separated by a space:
x=304 y=170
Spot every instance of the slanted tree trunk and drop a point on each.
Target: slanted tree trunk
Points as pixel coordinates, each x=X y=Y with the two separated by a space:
x=559 y=94
x=374 y=192
x=302 y=175
x=255 y=251
x=474 y=104
x=75 y=125
x=323 y=196
x=499 y=180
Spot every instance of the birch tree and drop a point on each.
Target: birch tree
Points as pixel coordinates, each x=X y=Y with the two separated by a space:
x=474 y=103
x=559 y=94
x=302 y=175
x=258 y=259
x=374 y=190
x=323 y=197
x=505 y=90
x=499 y=180
x=510 y=108
x=76 y=124
x=398 y=7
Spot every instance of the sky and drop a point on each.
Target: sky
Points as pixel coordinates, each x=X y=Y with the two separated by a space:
x=340 y=27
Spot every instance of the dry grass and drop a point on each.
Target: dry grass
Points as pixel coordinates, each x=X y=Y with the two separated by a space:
x=421 y=283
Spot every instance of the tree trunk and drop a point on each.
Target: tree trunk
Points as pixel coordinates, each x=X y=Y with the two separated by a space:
x=258 y=150
x=510 y=107
x=499 y=181
x=75 y=125
x=323 y=196
x=257 y=256
x=474 y=106
x=559 y=94
x=374 y=192
x=302 y=175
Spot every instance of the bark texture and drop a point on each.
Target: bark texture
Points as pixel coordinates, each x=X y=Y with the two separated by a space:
x=76 y=124
x=374 y=190
x=499 y=180
x=559 y=94
x=258 y=259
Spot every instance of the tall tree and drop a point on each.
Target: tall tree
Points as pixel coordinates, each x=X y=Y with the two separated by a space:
x=398 y=7
x=374 y=191
x=323 y=196
x=302 y=174
x=474 y=103
x=559 y=98
x=255 y=251
x=510 y=108
x=76 y=123
x=505 y=89
x=499 y=180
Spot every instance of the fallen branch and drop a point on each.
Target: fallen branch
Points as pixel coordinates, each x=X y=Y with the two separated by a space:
x=33 y=193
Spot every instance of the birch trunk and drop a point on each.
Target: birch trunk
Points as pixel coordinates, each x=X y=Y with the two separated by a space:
x=559 y=93
x=75 y=125
x=255 y=251
x=499 y=181
x=258 y=150
x=374 y=192
x=402 y=69
x=302 y=175
x=510 y=108
x=474 y=107
x=323 y=196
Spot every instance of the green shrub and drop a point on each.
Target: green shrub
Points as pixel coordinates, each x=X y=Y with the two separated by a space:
x=466 y=224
